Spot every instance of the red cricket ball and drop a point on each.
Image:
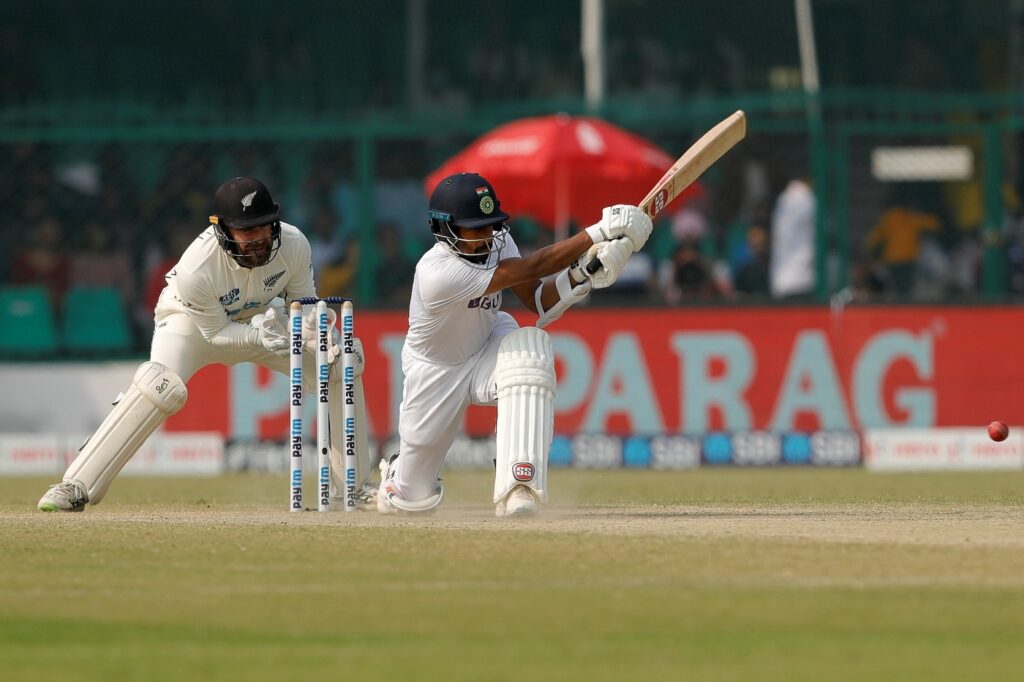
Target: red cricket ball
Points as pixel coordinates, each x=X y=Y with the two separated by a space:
x=998 y=431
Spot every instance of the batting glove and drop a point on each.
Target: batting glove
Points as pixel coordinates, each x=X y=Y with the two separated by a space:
x=619 y=221
x=613 y=256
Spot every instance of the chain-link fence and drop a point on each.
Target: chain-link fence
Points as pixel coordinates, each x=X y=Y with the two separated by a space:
x=114 y=139
x=918 y=215
x=927 y=211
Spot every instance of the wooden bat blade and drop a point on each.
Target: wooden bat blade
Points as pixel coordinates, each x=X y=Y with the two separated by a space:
x=691 y=165
x=694 y=161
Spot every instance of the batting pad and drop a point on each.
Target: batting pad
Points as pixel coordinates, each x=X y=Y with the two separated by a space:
x=525 y=376
x=154 y=395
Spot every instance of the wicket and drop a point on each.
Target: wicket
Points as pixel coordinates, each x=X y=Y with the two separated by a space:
x=323 y=421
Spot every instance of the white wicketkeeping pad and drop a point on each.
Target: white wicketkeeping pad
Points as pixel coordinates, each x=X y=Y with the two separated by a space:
x=154 y=395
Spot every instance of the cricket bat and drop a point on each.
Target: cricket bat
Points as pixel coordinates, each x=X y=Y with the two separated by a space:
x=690 y=166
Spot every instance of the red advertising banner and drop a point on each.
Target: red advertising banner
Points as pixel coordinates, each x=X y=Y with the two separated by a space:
x=695 y=370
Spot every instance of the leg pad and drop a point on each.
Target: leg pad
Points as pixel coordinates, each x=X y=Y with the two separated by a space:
x=525 y=377
x=154 y=395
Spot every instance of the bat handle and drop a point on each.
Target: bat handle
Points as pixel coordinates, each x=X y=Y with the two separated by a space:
x=596 y=264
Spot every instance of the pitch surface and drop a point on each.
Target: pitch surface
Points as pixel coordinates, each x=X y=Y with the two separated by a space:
x=715 y=575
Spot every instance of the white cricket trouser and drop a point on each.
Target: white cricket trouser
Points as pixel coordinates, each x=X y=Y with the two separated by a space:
x=179 y=345
x=434 y=399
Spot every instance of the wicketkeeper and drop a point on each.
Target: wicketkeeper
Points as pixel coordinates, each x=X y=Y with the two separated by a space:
x=223 y=303
x=462 y=350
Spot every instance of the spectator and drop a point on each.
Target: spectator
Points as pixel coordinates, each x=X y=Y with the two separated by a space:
x=866 y=282
x=1015 y=261
x=165 y=203
x=334 y=259
x=43 y=262
x=932 y=272
x=97 y=264
x=752 y=277
x=756 y=193
x=398 y=194
x=690 y=221
x=76 y=190
x=793 y=238
x=326 y=242
x=896 y=238
x=965 y=264
x=688 y=275
x=393 y=272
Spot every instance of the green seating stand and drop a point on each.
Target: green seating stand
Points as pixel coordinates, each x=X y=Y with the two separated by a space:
x=94 y=320
x=26 y=322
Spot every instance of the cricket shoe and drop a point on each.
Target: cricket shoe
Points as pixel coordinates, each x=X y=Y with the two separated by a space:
x=366 y=496
x=520 y=502
x=387 y=471
x=67 y=496
x=389 y=501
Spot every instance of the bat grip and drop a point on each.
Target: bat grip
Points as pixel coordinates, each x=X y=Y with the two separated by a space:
x=594 y=265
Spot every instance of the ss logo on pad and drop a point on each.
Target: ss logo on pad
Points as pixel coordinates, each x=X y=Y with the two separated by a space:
x=522 y=471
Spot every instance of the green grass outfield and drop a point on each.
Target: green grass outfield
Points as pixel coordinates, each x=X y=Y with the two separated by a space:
x=704 y=575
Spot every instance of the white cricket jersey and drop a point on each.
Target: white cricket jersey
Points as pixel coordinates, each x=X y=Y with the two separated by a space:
x=450 y=319
x=214 y=290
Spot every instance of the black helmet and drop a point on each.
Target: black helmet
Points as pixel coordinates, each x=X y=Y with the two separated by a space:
x=242 y=204
x=466 y=200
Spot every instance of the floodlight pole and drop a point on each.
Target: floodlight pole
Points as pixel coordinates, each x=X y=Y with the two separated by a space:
x=592 y=48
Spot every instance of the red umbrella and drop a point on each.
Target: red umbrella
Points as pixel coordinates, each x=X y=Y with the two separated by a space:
x=557 y=168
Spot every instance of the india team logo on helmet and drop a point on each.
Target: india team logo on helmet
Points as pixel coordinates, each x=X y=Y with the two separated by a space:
x=486 y=200
x=523 y=471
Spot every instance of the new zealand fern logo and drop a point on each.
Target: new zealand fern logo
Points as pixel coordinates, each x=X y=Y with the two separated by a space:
x=269 y=282
x=247 y=200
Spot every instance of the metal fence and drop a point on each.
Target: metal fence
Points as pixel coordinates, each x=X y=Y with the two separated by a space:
x=114 y=205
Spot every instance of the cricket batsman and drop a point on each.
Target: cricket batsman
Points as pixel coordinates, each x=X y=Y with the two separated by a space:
x=461 y=349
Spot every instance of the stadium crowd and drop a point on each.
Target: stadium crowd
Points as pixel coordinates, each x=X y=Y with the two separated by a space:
x=117 y=215
x=747 y=236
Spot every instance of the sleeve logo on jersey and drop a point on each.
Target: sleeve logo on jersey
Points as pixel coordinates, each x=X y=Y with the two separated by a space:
x=523 y=471
x=230 y=297
x=486 y=302
x=269 y=282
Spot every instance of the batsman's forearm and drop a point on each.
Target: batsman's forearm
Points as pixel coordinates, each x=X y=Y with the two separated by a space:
x=551 y=259
x=525 y=272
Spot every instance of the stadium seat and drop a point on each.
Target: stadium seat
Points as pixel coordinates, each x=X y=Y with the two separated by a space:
x=94 y=319
x=26 y=321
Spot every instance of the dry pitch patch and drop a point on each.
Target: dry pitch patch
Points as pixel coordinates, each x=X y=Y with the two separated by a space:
x=944 y=510
x=852 y=545
x=892 y=524
x=795 y=525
